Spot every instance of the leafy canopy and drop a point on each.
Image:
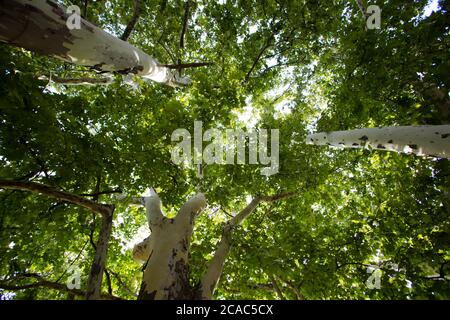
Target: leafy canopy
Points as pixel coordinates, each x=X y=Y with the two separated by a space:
x=319 y=69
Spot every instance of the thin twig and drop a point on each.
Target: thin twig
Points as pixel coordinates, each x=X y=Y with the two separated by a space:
x=186 y=65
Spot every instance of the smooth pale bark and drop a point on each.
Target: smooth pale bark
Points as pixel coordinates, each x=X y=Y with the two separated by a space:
x=212 y=275
x=40 y=26
x=421 y=140
x=166 y=250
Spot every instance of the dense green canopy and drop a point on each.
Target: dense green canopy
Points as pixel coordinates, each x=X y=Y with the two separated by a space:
x=294 y=65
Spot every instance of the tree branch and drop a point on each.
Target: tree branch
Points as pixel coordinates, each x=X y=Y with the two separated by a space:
x=108 y=281
x=61 y=195
x=154 y=212
x=211 y=277
x=183 y=33
x=296 y=290
x=362 y=8
x=49 y=284
x=73 y=261
x=78 y=81
x=85 y=9
x=276 y=287
x=106 y=211
x=258 y=57
x=189 y=211
x=180 y=66
x=185 y=23
x=152 y=205
x=268 y=43
x=254 y=203
x=99 y=263
x=171 y=55
x=96 y=194
x=132 y=23
x=122 y=284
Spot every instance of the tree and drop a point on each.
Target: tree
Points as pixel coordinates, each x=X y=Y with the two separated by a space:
x=77 y=161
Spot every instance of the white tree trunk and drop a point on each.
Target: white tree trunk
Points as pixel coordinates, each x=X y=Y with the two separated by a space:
x=166 y=250
x=421 y=140
x=40 y=26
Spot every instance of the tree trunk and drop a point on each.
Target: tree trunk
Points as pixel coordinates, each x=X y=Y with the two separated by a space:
x=40 y=26
x=94 y=286
x=421 y=140
x=166 y=251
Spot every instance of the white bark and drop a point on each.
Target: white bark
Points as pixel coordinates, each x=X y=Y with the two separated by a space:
x=421 y=140
x=212 y=275
x=155 y=218
x=154 y=212
x=141 y=251
x=40 y=25
x=166 y=250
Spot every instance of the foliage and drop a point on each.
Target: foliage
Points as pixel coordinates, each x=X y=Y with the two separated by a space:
x=354 y=208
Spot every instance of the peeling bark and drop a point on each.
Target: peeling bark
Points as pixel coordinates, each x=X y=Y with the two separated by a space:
x=40 y=26
x=166 y=251
x=421 y=140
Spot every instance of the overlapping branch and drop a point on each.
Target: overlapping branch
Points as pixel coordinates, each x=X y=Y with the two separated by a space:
x=61 y=195
x=132 y=23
